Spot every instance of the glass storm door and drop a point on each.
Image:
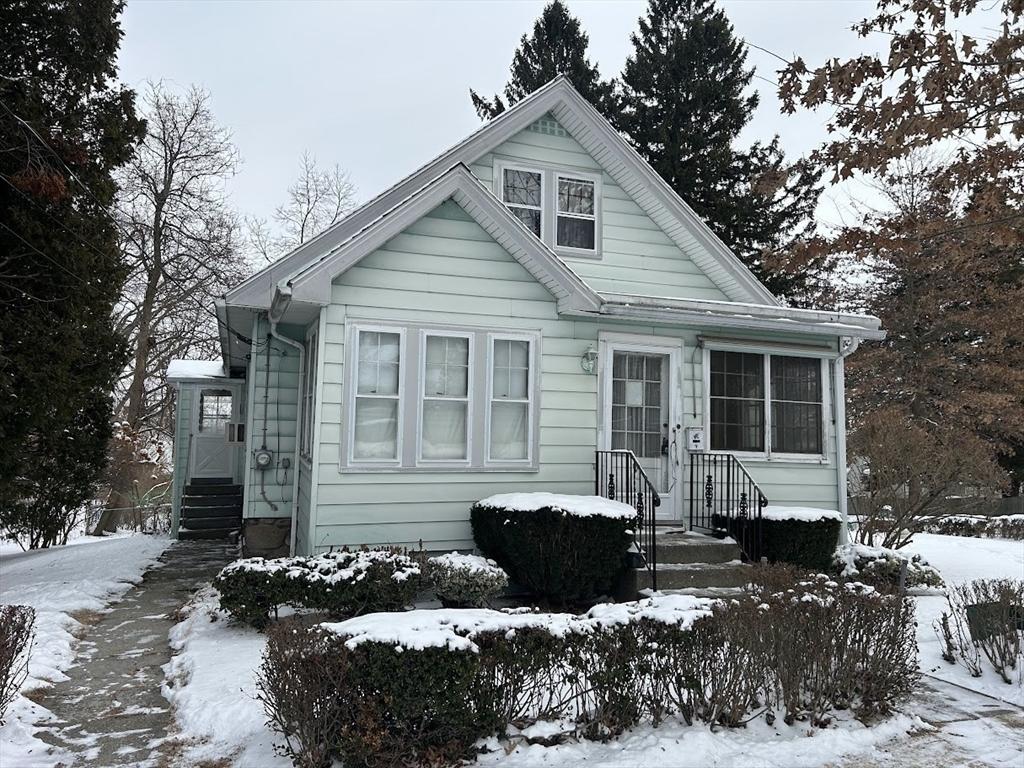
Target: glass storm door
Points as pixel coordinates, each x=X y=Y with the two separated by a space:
x=639 y=416
x=212 y=455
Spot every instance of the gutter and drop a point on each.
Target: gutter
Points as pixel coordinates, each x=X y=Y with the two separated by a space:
x=278 y=306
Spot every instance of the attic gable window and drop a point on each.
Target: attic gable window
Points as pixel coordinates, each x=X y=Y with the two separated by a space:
x=560 y=206
x=577 y=220
x=523 y=192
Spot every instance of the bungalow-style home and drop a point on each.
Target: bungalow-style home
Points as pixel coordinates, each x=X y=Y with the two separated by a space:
x=533 y=310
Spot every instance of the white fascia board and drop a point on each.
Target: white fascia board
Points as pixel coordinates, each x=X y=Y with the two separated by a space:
x=738 y=320
x=819 y=316
x=313 y=284
x=593 y=132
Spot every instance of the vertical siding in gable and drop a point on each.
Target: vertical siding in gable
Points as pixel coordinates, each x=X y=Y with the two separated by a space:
x=637 y=255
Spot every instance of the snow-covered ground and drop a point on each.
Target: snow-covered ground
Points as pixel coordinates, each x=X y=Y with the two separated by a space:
x=960 y=559
x=63 y=584
x=220 y=718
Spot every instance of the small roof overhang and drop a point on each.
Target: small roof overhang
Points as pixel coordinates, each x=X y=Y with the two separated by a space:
x=196 y=371
x=738 y=315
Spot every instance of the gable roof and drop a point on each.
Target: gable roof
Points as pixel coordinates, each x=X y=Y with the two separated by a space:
x=595 y=134
x=312 y=284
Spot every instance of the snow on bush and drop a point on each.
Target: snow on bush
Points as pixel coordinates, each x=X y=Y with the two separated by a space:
x=577 y=506
x=466 y=581
x=985 y=620
x=426 y=686
x=564 y=549
x=881 y=567
x=997 y=527
x=344 y=582
x=804 y=514
x=16 y=631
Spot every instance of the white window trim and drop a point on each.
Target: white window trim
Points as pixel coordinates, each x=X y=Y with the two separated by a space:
x=423 y=397
x=310 y=380
x=549 y=197
x=502 y=167
x=596 y=181
x=768 y=454
x=531 y=401
x=353 y=382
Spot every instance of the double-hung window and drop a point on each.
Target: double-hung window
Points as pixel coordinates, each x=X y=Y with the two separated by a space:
x=576 y=217
x=766 y=404
x=431 y=398
x=378 y=401
x=560 y=206
x=444 y=433
x=308 y=396
x=522 y=191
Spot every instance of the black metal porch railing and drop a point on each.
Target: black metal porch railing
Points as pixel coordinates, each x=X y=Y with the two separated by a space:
x=619 y=476
x=724 y=498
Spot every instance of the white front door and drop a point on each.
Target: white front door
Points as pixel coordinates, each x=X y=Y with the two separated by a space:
x=213 y=409
x=641 y=398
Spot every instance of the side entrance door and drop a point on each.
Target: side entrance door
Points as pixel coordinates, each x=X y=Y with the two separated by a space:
x=641 y=398
x=213 y=408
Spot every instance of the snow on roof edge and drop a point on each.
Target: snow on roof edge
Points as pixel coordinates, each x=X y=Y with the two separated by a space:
x=195 y=369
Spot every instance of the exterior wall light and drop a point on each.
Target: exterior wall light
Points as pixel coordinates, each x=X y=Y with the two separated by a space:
x=588 y=361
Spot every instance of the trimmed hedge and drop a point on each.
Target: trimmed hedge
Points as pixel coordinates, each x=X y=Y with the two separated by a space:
x=465 y=581
x=560 y=557
x=346 y=583
x=804 y=543
x=423 y=687
x=881 y=567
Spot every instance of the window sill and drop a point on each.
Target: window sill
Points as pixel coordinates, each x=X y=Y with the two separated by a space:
x=422 y=469
x=776 y=458
x=577 y=253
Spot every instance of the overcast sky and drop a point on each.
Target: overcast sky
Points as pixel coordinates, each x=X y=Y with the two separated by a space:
x=382 y=87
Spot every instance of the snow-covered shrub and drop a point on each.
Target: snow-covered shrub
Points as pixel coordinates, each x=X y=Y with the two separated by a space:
x=16 y=632
x=465 y=581
x=344 y=582
x=986 y=617
x=998 y=527
x=800 y=536
x=563 y=548
x=881 y=567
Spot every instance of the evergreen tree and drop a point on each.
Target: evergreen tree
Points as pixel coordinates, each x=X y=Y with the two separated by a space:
x=557 y=46
x=685 y=98
x=64 y=127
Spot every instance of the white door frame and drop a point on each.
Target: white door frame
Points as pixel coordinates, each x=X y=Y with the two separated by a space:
x=230 y=449
x=608 y=344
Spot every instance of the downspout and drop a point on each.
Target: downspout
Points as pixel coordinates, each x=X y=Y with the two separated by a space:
x=847 y=346
x=278 y=306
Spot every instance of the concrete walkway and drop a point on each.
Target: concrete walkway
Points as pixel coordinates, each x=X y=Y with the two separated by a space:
x=111 y=711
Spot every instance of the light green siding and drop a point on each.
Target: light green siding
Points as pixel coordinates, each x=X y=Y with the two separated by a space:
x=182 y=430
x=446 y=270
x=273 y=420
x=637 y=256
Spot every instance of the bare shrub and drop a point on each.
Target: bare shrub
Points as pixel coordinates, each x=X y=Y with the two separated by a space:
x=298 y=684
x=986 y=617
x=16 y=632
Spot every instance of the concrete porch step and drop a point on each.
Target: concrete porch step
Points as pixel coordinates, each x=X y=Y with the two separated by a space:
x=206 y=523
x=732 y=573
x=679 y=547
x=191 y=534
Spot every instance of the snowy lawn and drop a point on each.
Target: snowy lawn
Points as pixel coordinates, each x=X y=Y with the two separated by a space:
x=960 y=559
x=63 y=584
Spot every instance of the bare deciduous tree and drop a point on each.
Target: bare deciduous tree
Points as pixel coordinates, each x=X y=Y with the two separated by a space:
x=181 y=239
x=318 y=198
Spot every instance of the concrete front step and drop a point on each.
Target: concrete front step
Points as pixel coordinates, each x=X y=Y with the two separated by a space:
x=187 y=513
x=683 y=548
x=206 y=523
x=696 y=575
x=191 y=534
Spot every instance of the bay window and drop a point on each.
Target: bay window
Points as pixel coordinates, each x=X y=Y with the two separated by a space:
x=765 y=404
